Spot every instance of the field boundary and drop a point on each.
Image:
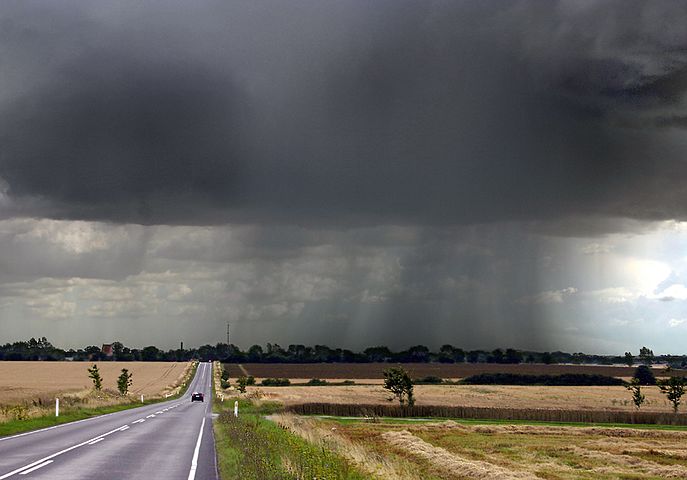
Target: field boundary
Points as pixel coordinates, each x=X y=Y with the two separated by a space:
x=490 y=413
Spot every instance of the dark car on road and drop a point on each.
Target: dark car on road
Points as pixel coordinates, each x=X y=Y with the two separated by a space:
x=197 y=397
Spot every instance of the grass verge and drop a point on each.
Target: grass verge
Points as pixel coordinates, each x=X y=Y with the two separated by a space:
x=253 y=448
x=72 y=414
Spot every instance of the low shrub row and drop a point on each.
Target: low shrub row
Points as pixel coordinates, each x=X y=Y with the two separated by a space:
x=487 y=413
x=566 y=379
x=275 y=382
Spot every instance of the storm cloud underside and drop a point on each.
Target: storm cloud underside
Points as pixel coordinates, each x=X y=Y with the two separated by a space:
x=455 y=146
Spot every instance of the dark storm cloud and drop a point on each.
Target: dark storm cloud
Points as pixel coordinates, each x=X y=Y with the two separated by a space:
x=342 y=112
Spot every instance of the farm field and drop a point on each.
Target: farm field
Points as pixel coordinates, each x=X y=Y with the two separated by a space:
x=495 y=396
x=369 y=371
x=25 y=381
x=450 y=450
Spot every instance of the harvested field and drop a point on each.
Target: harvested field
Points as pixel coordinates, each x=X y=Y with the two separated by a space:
x=493 y=396
x=25 y=381
x=342 y=371
x=456 y=451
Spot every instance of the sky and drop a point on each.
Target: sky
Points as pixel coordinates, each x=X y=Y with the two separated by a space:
x=486 y=174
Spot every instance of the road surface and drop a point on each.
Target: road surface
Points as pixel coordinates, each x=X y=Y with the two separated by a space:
x=170 y=440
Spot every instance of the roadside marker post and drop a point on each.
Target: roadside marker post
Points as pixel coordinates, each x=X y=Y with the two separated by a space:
x=141 y=398
x=236 y=408
x=57 y=407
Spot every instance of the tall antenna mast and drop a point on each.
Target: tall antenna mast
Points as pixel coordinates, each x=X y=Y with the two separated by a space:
x=228 y=343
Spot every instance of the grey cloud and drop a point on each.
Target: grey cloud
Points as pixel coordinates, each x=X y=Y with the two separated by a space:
x=316 y=113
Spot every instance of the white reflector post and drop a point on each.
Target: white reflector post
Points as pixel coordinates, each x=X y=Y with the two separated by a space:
x=236 y=408
x=57 y=407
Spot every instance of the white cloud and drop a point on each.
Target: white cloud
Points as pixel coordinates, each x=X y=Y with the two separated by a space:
x=549 y=297
x=675 y=322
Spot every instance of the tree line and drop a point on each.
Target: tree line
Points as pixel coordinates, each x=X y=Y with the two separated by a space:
x=42 y=349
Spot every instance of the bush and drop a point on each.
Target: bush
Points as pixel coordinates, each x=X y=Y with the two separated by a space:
x=645 y=375
x=316 y=382
x=250 y=380
x=275 y=382
x=567 y=379
x=428 y=380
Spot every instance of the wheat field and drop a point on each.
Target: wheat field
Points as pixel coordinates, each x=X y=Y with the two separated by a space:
x=25 y=381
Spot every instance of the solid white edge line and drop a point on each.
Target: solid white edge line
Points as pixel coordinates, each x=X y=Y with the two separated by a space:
x=49 y=457
x=26 y=472
x=194 y=461
x=96 y=441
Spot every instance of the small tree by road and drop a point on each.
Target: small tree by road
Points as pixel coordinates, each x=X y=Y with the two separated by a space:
x=241 y=383
x=629 y=359
x=124 y=381
x=94 y=374
x=673 y=388
x=637 y=396
x=398 y=382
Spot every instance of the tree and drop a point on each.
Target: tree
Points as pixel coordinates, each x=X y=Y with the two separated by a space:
x=94 y=374
x=513 y=356
x=124 y=381
x=673 y=388
x=645 y=375
x=241 y=383
x=646 y=356
x=637 y=396
x=398 y=382
x=629 y=359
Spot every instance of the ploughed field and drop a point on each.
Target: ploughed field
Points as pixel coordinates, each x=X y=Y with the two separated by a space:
x=450 y=450
x=352 y=371
x=26 y=381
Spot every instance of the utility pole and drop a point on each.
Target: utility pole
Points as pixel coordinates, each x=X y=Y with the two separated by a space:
x=228 y=343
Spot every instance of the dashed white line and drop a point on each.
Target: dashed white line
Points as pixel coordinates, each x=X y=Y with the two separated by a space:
x=25 y=472
x=141 y=420
x=150 y=416
x=125 y=427
x=159 y=413
x=96 y=441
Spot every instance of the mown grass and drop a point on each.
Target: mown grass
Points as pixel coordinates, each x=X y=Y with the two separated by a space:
x=253 y=448
x=74 y=413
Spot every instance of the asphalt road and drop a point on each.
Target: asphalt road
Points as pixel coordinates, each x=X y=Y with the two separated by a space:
x=170 y=440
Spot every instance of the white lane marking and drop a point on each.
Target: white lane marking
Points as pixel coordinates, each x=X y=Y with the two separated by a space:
x=194 y=461
x=141 y=420
x=26 y=472
x=67 y=424
x=49 y=457
x=96 y=441
x=125 y=427
x=159 y=413
x=150 y=416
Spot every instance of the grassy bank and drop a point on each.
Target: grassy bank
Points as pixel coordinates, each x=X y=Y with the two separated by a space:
x=252 y=447
x=72 y=413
